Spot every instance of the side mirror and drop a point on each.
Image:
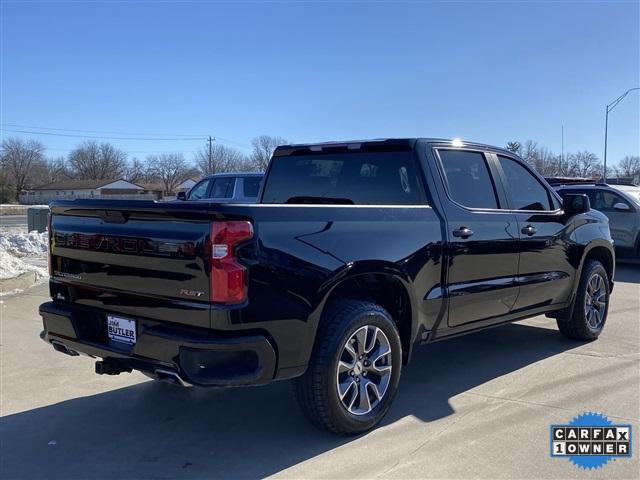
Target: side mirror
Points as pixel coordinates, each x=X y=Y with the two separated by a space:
x=181 y=196
x=575 y=203
x=621 y=207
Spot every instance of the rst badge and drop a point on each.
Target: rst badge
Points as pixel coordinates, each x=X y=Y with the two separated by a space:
x=590 y=440
x=191 y=293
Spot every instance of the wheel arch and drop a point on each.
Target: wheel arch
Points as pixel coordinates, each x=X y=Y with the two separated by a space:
x=383 y=284
x=602 y=252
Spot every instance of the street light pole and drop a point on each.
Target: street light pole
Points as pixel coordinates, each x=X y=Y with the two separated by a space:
x=610 y=107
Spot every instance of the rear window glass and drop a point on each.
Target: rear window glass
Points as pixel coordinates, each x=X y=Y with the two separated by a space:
x=223 y=187
x=251 y=186
x=468 y=178
x=368 y=178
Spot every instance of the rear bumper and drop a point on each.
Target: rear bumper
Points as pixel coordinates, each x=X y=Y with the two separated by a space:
x=198 y=356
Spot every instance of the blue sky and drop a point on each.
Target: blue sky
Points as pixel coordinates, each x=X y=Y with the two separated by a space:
x=488 y=72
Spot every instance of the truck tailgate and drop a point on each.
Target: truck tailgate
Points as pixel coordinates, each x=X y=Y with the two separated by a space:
x=138 y=258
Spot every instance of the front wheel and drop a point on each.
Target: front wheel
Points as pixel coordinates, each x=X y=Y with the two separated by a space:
x=354 y=369
x=589 y=315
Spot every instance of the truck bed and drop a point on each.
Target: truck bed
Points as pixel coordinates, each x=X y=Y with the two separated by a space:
x=149 y=260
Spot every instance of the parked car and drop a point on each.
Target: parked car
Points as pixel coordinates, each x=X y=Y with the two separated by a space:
x=356 y=253
x=226 y=188
x=631 y=190
x=621 y=205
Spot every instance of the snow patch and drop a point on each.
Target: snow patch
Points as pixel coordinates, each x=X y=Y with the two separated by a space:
x=25 y=244
x=21 y=252
x=12 y=266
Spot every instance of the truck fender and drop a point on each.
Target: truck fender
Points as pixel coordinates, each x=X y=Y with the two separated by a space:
x=366 y=272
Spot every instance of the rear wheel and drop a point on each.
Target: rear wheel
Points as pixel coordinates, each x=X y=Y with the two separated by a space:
x=589 y=315
x=354 y=369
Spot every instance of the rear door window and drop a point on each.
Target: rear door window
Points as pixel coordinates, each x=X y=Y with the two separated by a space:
x=468 y=180
x=358 y=178
x=223 y=187
x=251 y=186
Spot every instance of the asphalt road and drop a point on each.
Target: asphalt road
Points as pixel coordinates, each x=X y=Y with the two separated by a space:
x=13 y=224
x=478 y=406
x=13 y=220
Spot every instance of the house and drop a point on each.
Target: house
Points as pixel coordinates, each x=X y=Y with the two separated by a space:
x=118 y=189
x=154 y=188
x=186 y=185
x=158 y=188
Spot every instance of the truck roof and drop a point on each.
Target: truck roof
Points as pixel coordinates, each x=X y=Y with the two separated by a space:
x=378 y=144
x=234 y=174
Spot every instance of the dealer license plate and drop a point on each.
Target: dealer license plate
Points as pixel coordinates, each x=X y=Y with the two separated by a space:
x=121 y=329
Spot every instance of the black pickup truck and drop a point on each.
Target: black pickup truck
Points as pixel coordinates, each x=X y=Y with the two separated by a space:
x=356 y=253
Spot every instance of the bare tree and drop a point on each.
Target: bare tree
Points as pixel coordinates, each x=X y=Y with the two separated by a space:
x=629 y=166
x=540 y=158
x=169 y=168
x=56 y=169
x=136 y=171
x=547 y=163
x=529 y=151
x=586 y=164
x=20 y=159
x=263 y=147
x=6 y=188
x=97 y=161
x=514 y=147
x=222 y=159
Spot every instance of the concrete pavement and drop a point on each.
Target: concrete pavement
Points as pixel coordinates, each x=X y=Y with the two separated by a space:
x=478 y=406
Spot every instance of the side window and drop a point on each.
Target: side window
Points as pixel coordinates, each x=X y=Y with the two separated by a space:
x=200 y=190
x=527 y=193
x=251 y=186
x=223 y=187
x=604 y=201
x=468 y=178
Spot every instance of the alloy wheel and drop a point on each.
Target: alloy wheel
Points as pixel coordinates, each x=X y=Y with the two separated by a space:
x=595 y=304
x=364 y=370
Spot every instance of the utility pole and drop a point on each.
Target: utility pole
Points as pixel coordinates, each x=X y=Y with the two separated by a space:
x=210 y=140
x=606 y=128
x=562 y=157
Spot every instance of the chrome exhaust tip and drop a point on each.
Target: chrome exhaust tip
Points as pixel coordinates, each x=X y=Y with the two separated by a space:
x=171 y=376
x=62 y=348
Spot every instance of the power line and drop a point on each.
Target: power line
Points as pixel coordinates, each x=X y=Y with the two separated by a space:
x=103 y=131
x=131 y=135
x=96 y=137
x=126 y=151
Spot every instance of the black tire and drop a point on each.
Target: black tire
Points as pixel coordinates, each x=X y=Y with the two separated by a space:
x=580 y=325
x=317 y=390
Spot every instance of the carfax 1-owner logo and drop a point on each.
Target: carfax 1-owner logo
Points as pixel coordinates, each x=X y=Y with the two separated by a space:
x=590 y=440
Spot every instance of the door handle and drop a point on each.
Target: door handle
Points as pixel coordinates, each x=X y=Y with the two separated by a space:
x=462 y=232
x=528 y=230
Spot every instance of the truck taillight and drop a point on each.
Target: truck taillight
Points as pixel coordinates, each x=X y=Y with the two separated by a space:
x=49 y=232
x=228 y=277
